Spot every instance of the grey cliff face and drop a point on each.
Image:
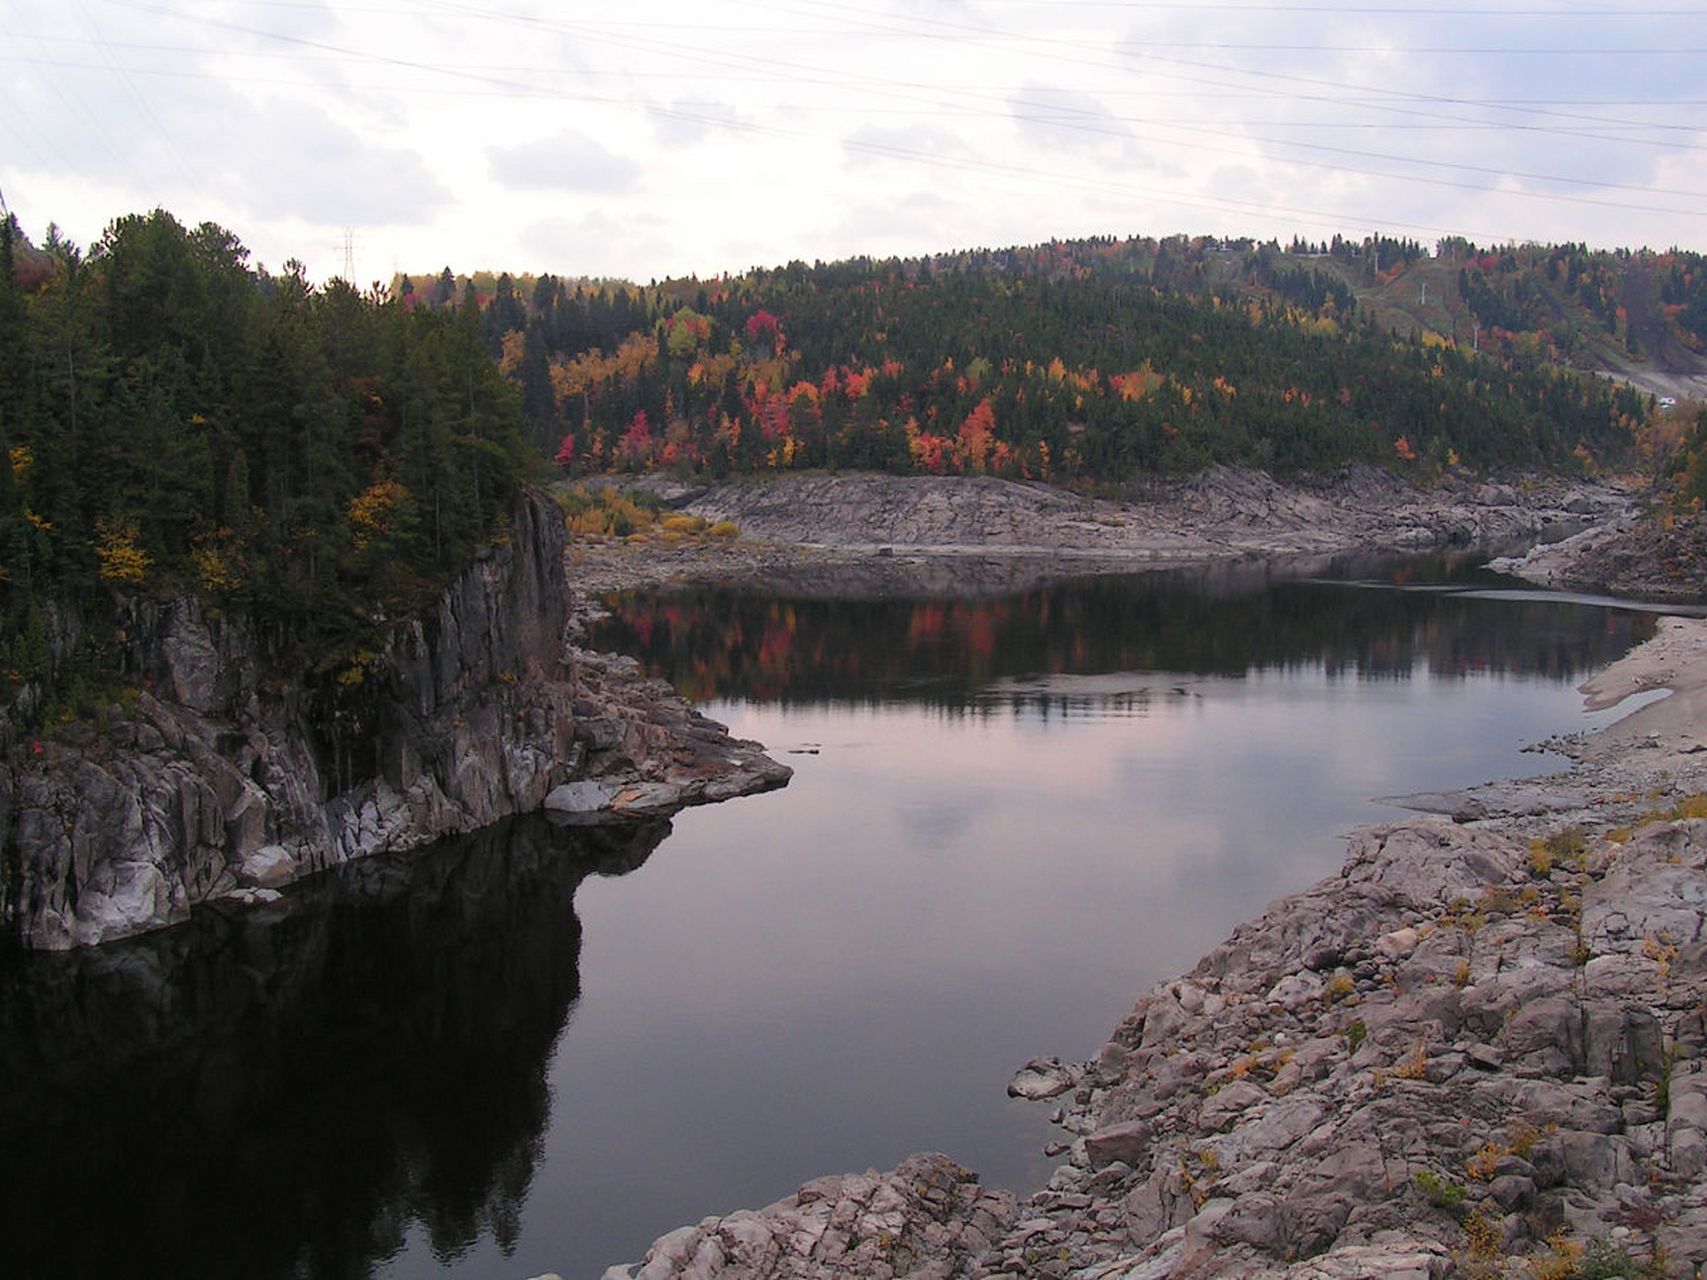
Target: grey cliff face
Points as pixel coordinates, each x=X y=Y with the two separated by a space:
x=230 y=779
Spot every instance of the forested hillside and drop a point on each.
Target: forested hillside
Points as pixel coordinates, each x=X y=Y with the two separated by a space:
x=1083 y=361
x=172 y=418
x=175 y=418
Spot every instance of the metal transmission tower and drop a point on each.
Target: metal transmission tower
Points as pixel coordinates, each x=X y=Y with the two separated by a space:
x=350 y=256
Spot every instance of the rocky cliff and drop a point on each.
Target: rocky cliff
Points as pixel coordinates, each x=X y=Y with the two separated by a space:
x=230 y=777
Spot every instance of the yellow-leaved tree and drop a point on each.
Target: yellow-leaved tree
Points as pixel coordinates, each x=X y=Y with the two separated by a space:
x=121 y=559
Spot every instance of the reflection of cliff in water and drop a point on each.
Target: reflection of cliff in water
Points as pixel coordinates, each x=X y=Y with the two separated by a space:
x=286 y=1090
x=1355 y=616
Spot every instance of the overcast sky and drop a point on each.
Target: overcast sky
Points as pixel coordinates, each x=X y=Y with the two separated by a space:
x=663 y=137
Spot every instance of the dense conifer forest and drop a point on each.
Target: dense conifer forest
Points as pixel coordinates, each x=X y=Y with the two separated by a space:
x=173 y=419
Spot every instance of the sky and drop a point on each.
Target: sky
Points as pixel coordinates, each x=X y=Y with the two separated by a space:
x=664 y=138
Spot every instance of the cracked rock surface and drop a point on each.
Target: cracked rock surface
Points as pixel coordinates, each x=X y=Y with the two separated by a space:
x=928 y=1218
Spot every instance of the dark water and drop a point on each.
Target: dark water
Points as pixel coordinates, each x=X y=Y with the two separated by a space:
x=524 y=1051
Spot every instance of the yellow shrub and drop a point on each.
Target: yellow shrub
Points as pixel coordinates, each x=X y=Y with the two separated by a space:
x=1481 y=1166
x=121 y=560
x=215 y=569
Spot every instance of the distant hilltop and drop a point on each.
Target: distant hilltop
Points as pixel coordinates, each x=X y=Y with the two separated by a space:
x=1082 y=362
x=1637 y=314
x=1099 y=359
x=443 y=287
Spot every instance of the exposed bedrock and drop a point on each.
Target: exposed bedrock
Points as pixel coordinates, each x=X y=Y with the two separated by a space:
x=232 y=777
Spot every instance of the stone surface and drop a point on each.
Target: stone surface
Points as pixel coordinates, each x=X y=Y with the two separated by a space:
x=927 y=1218
x=586 y=796
x=1641 y=556
x=1218 y=511
x=1042 y=1078
x=847 y=533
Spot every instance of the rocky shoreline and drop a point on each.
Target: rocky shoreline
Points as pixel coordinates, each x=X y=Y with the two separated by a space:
x=881 y=536
x=227 y=779
x=1475 y=1050
x=1479 y=1050
x=1654 y=558
x=1217 y=514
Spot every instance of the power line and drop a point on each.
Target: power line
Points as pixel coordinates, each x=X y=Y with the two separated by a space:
x=951 y=31
x=1193 y=6
x=938 y=110
x=136 y=96
x=514 y=69
x=901 y=90
x=927 y=157
x=931 y=97
x=25 y=137
x=644 y=74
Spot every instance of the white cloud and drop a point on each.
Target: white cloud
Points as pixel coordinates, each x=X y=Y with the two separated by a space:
x=1054 y=117
x=685 y=123
x=753 y=138
x=568 y=162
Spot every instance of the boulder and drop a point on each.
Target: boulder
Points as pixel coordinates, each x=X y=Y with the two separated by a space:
x=1042 y=1078
x=267 y=868
x=581 y=797
x=1126 y=1142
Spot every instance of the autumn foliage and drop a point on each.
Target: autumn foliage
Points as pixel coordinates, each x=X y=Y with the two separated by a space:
x=1088 y=361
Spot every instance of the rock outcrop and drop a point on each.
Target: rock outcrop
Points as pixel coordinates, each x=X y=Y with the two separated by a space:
x=1457 y=1054
x=231 y=779
x=927 y=1219
x=1650 y=556
x=1218 y=513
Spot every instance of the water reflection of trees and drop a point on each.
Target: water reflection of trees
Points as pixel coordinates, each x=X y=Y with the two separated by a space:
x=288 y=1090
x=729 y=643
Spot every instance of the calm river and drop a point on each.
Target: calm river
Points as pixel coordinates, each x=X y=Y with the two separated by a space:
x=537 y=1049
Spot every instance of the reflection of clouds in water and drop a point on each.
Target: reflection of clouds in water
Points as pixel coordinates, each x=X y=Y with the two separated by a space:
x=938 y=822
x=967 y=891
